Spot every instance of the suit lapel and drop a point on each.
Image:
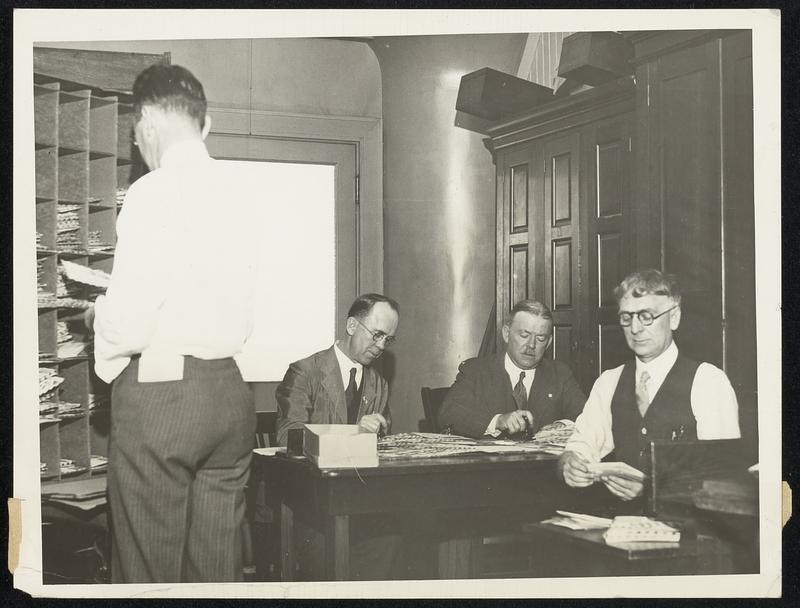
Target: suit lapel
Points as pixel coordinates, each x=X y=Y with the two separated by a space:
x=332 y=383
x=538 y=400
x=505 y=388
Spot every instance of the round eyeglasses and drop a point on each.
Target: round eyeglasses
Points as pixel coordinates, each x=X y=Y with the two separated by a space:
x=377 y=335
x=645 y=316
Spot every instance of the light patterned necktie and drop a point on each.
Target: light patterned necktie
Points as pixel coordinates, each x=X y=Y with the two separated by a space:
x=642 y=397
x=520 y=396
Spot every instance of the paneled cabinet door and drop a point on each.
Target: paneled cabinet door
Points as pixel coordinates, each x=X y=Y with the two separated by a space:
x=559 y=244
x=516 y=181
x=607 y=151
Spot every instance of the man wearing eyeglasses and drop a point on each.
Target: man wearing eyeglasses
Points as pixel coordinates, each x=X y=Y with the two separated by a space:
x=517 y=391
x=660 y=395
x=339 y=386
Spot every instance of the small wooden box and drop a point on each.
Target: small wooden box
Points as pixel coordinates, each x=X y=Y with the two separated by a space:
x=594 y=58
x=492 y=95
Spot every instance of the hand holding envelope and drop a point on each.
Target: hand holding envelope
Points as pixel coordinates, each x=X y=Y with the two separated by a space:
x=622 y=480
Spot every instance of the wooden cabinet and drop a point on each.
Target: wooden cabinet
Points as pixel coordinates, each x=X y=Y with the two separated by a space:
x=562 y=212
x=83 y=165
x=651 y=172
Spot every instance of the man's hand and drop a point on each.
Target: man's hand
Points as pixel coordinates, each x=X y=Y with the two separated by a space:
x=88 y=318
x=514 y=422
x=623 y=487
x=373 y=422
x=575 y=471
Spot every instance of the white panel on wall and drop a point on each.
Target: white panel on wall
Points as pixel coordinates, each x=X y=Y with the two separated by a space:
x=296 y=291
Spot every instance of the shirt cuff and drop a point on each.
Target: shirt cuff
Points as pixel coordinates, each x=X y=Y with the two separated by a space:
x=492 y=428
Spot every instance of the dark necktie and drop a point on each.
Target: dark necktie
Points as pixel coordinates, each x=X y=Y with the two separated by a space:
x=520 y=396
x=351 y=398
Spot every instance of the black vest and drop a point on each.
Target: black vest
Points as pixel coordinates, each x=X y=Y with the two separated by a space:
x=669 y=416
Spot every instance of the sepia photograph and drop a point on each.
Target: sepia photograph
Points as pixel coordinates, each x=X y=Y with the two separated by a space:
x=408 y=303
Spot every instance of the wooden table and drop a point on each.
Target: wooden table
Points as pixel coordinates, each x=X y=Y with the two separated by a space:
x=585 y=553
x=327 y=498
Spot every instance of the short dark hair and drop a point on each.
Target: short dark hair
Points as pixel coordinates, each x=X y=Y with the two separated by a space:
x=533 y=307
x=363 y=304
x=649 y=282
x=170 y=87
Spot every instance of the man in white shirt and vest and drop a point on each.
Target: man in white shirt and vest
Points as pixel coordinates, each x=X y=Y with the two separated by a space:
x=179 y=306
x=660 y=395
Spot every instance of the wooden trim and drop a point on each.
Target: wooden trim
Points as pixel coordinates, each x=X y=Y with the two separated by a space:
x=107 y=70
x=588 y=106
x=649 y=46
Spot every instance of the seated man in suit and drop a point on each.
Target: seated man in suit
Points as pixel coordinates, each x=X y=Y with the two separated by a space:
x=659 y=395
x=515 y=390
x=339 y=386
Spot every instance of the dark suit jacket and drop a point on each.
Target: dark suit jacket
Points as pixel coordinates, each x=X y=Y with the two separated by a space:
x=312 y=393
x=483 y=389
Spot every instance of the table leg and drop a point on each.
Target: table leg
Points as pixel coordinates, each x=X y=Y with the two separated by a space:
x=337 y=548
x=287 y=543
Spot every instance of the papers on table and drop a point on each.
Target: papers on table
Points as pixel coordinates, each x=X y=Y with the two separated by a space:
x=578 y=521
x=638 y=529
x=269 y=451
x=84 y=494
x=550 y=439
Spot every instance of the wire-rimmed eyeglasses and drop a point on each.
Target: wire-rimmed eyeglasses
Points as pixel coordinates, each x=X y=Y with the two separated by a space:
x=645 y=316
x=378 y=335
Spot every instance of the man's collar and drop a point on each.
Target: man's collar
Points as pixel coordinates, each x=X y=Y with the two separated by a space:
x=345 y=362
x=661 y=364
x=183 y=151
x=514 y=370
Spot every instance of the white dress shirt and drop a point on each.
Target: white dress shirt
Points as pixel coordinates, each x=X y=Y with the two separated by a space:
x=513 y=375
x=712 y=398
x=345 y=365
x=184 y=268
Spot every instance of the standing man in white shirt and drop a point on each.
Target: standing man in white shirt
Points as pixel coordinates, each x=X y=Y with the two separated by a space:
x=178 y=308
x=660 y=395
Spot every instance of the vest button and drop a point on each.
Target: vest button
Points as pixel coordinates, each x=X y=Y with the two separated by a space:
x=644 y=431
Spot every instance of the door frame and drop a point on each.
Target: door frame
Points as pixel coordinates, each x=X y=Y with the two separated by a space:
x=363 y=132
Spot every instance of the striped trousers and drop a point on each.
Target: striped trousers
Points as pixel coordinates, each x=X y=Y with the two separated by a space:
x=179 y=455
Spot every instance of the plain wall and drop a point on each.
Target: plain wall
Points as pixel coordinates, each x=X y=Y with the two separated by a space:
x=439 y=210
x=303 y=76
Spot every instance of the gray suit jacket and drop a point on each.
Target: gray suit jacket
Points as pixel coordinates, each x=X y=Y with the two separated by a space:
x=312 y=393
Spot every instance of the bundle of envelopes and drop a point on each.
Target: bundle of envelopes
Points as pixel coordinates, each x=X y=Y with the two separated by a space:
x=68 y=228
x=48 y=380
x=424 y=445
x=96 y=244
x=70 y=293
